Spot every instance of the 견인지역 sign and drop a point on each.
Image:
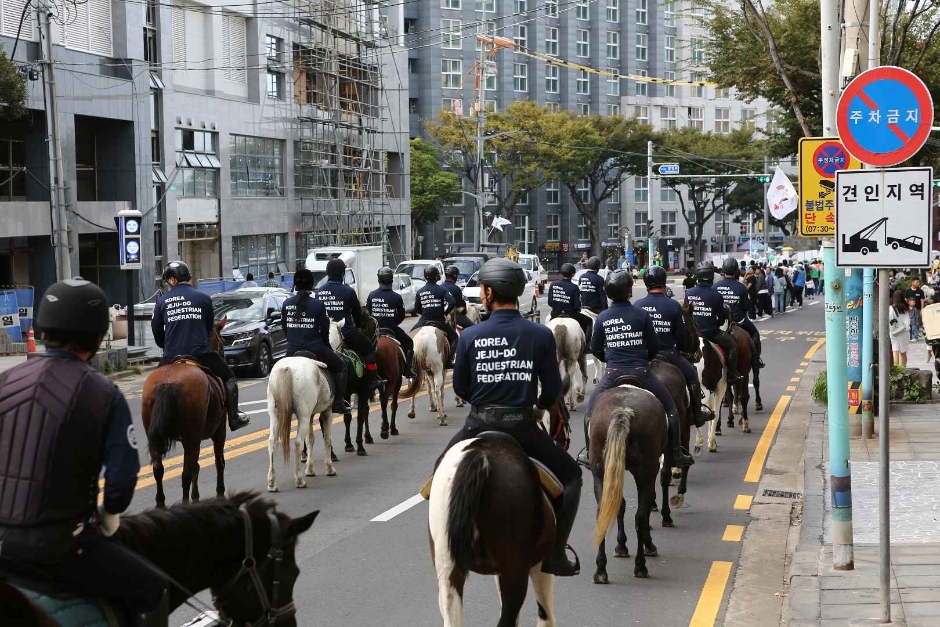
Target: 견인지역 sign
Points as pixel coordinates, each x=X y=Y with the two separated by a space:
x=884 y=116
x=820 y=159
x=883 y=218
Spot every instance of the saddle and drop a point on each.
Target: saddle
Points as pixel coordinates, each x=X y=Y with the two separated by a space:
x=311 y=357
x=551 y=486
x=629 y=379
x=213 y=379
x=66 y=608
x=389 y=334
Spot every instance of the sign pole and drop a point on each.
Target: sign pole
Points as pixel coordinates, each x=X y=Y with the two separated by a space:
x=130 y=308
x=868 y=332
x=853 y=335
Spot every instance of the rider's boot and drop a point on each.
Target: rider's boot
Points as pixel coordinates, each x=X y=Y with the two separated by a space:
x=757 y=351
x=733 y=375
x=409 y=360
x=374 y=381
x=584 y=458
x=700 y=412
x=556 y=562
x=157 y=617
x=339 y=392
x=680 y=456
x=236 y=418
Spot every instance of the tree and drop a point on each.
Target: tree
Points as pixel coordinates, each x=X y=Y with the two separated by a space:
x=746 y=202
x=591 y=156
x=12 y=89
x=431 y=186
x=733 y=153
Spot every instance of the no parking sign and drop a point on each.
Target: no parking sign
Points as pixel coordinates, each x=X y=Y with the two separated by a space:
x=820 y=159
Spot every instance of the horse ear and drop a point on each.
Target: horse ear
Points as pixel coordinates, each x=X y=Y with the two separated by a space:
x=220 y=324
x=298 y=525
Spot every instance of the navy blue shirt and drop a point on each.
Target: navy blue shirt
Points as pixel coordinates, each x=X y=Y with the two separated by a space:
x=624 y=336
x=564 y=297
x=502 y=360
x=182 y=322
x=308 y=329
x=386 y=306
x=456 y=292
x=667 y=319
x=735 y=295
x=707 y=307
x=341 y=303
x=592 y=291
x=433 y=302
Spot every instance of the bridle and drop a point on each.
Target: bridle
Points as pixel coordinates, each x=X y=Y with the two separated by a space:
x=271 y=612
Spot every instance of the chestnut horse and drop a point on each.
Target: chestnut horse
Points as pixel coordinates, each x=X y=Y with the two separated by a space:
x=182 y=403
x=714 y=379
x=391 y=362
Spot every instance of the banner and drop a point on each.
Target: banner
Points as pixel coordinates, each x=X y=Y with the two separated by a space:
x=10 y=315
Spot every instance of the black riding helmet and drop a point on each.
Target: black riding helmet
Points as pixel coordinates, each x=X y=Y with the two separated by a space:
x=594 y=263
x=385 y=275
x=505 y=277
x=432 y=274
x=451 y=272
x=730 y=266
x=176 y=270
x=705 y=273
x=619 y=285
x=303 y=280
x=655 y=277
x=336 y=269
x=568 y=270
x=74 y=306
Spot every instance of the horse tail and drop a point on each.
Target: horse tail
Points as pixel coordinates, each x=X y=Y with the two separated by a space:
x=561 y=339
x=615 y=461
x=415 y=384
x=466 y=494
x=281 y=389
x=166 y=407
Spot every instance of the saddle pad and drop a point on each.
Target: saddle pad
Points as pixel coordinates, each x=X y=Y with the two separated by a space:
x=356 y=361
x=718 y=351
x=69 y=610
x=550 y=483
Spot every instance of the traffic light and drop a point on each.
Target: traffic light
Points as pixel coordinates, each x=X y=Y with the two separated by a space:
x=762 y=178
x=936 y=183
x=129 y=227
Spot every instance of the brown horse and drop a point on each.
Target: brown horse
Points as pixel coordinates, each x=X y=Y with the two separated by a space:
x=714 y=379
x=629 y=425
x=674 y=381
x=391 y=362
x=182 y=403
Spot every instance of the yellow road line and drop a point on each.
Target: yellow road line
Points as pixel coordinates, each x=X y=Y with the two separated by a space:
x=733 y=533
x=756 y=467
x=794 y=379
x=709 y=602
x=799 y=370
x=812 y=351
x=743 y=501
x=791 y=388
x=804 y=363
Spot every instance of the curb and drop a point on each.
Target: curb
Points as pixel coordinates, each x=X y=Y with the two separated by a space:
x=126 y=374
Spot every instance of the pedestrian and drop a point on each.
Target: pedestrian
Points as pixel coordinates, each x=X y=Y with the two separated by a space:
x=271 y=282
x=760 y=286
x=899 y=323
x=799 y=282
x=780 y=290
x=250 y=281
x=916 y=292
x=915 y=319
x=582 y=262
x=622 y=261
x=770 y=282
x=750 y=281
x=820 y=287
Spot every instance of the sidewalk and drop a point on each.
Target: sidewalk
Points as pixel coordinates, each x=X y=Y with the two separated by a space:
x=9 y=361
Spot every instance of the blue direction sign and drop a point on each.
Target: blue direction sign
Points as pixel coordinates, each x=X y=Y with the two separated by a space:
x=668 y=168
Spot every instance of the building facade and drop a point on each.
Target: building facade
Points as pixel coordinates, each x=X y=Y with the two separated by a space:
x=627 y=37
x=244 y=134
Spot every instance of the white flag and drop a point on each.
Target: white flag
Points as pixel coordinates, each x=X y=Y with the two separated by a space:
x=781 y=196
x=499 y=223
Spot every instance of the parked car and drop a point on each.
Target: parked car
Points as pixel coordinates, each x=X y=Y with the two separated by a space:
x=415 y=270
x=467 y=264
x=533 y=264
x=528 y=303
x=253 y=334
x=405 y=287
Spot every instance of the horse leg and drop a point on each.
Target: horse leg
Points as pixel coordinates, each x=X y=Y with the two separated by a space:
x=758 y=404
x=326 y=426
x=600 y=562
x=347 y=420
x=411 y=411
x=679 y=498
x=450 y=596
x=383 y=401
x=362 y=413
x=745 y=397
x=308 y=469
x=512 y=591
x=641 y=522
x=621 y=549
x=544 y=586
x=190 y=471
x=218 y=448
x=303 y=428
x=699 y=441
x=439 y=386
x=432 y=390
x=394 y=429
x=665 y=477
x=272 y=449
x=157 y=463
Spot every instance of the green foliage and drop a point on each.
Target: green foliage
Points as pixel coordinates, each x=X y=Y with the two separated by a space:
x=906 y=385
x=820 y=388
x=12 y=89
x=431 y=185
x=108 y=367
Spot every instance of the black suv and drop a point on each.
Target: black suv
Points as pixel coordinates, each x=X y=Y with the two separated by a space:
x=253 y=334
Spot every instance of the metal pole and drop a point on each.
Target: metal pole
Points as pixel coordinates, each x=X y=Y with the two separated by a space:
x=525 y=238
x=868 y=331
x=831 y=31
x=56 y=168
x=131 y=297
x=649 y=201
x=480 y=198
x=840 y=474
x=766 y=211
x=854 y=286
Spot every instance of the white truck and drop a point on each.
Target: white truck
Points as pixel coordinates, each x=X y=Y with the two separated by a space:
x=362 y=265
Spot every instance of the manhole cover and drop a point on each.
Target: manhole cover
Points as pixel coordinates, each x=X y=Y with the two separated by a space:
x=780 y=494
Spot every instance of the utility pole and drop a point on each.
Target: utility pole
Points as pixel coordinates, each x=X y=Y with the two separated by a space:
x=60 y=222
x=830 y=54
x=480 y=197
x=767 y=210
x=649 y=202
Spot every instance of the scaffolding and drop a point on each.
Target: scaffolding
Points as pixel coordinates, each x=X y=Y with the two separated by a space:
x=340 y=163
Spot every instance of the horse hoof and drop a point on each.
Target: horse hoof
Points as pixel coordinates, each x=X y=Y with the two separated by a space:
x=332 y=473
x=746 y=430
x=303 y=458
x=731 y=423
x=668 y=524
x=677 y=500
x=758 y=407
x=601 y=578
x=349 y=449
x=654 y=507
x=361 y=452
x=443 y=422
x=369 y=440
x=300 y=483
x=411 y=415
x=310 y=473
x=271 y=488
x=384 y=434
x=641 y=573
x=676 y=473
x=621 y=551
x=394 y=431
x=651 y=551
x=697 y=450
x=580 y=398
x=333 y=457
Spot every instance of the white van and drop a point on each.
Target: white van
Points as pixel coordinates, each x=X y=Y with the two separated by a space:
x=533 y=264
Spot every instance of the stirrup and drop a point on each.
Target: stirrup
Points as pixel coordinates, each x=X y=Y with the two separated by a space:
x=584 y=458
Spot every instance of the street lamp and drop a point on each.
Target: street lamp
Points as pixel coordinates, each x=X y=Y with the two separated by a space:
x=480 y=137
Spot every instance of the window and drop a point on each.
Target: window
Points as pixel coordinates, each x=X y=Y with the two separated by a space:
x=669 y=89
x=275 y=85
x=670 y=48
x=518 y=228
x=411 y=25
x=453 y=230
x=641 y=189
x=412 y=66
x=450 y=34
x=747 y=119
x=451 y=104
x=641 y=224
x=197 y=163
x=613 y=44
x=642 y=113
x=412 y=105
x=12 y=170
x=150 y=32
x=489 y=82
x=520 y=35
x=584 y=108
x=485 y=28
x=273 y=47
x=551 y=8
x=698 y=50
x=489 y=106
x=553 y=192
x=641 y=13
x=520 y=77
x=583 y=190
x=698 y=91
x=613 y=11
x=613 y=110
x=552 y=107
x=722 y=120
x=613 y=224
x=551 y=79
x=668 y=194
x=259 y=254
x=642 y=43
x=669 y=15
x=234 y=48
x=451 y=73
x=773 y=123
x=551 y=41
x=667 y=117
x=668 y=219
x=642 y=86
x=583 y=83
x=582 y=12
x=698 y=17
x=524 y=199
x=178 y=17
x=614 y=197
x=697 y=118
x=486 y=6
x=156 y=148
x=583 y=233
x=613 y=83
x=315 y=173
x=553 y=227
x=519 y=6
x=87 y=25
x=583 y=43
x=256 y=166
x=450 y=4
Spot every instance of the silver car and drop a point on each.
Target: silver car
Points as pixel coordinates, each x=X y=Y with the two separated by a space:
x=528 y=303
x=405 y=287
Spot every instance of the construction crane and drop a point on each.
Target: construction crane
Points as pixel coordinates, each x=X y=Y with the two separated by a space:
x=860 y=243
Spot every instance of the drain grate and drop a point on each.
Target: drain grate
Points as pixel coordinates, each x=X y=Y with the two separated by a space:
x=780 y=494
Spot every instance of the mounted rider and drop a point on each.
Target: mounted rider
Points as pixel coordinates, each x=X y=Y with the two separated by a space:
x=342 y=305
x=564 y=298
x=451 y=273
x=502 y=391
x=708 y=311
x=433 y=302
x=182 y=325
x=65 y=421
x=592 y=287
x=671 y=333
x=736 y=296
x=388 y=309
x=307 y=327
x=626 y=340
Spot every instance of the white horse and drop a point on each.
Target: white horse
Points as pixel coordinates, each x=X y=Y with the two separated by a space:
x=599 y=366
x=298 y=386
x=473 y=314
x=431 y=352
x=570 y=345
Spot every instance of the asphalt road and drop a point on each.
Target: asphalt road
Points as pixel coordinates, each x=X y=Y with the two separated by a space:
x=359 y=571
